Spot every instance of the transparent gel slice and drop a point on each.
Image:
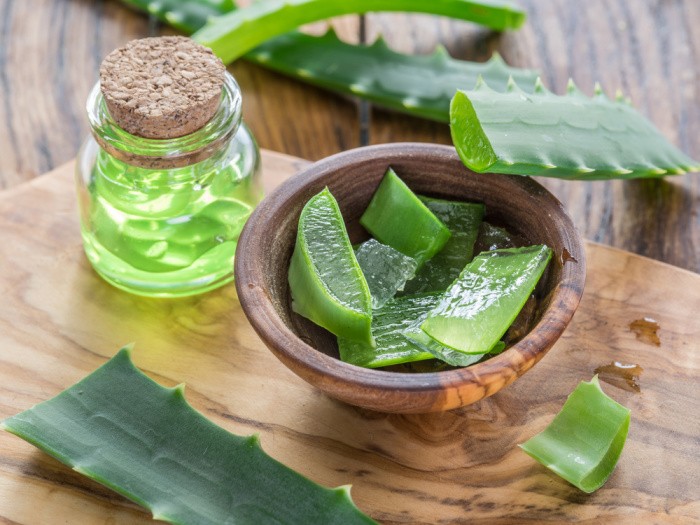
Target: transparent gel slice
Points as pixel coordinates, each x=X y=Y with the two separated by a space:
x=386 y=270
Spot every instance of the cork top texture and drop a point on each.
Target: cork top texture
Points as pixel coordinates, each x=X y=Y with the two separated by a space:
x=162 y=87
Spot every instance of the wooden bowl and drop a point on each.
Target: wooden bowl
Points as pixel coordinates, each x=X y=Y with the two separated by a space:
x=519 y=203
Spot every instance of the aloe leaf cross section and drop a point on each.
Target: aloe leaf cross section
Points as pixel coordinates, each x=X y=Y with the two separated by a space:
x=584 y=441
x=325 y=279
x=144 y=441
x=477 y=309
x=397 y=217
x=569 y=137
x=232 y=35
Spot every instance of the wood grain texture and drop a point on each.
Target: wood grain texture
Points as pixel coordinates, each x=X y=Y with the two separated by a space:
x=647 y=48
x=59 y=321
x=518 y=204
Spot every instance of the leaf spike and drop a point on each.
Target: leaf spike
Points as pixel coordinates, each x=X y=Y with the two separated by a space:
x=584 y=169
x=598 y=90
x=621 y=171
x=441 y=54
x=380 y=43
x=480 y=84
x=496 y=58
x=619 y=96
x=540 y=87
x=331 y=32
x=572 y=89
x=512 y=86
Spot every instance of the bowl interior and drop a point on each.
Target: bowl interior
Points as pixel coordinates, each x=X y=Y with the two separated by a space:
x=518 y=204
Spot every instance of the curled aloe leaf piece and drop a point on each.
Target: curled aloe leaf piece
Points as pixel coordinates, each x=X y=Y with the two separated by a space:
x=234 y=34
x=147 y=443
x=325 y=279
x=584 y=441
x=570 y=137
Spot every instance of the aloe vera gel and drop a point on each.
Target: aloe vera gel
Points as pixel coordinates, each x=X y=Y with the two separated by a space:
x=169 y=175
x=419 y=293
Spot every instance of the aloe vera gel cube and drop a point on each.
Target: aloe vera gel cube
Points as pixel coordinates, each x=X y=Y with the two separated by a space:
x=386 y=270
x=326 y=282
x=397 y=217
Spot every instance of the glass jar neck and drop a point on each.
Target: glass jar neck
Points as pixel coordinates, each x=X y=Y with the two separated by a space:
x=167 y=153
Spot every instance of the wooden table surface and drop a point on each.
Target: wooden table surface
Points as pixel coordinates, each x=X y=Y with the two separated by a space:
x=50 y=51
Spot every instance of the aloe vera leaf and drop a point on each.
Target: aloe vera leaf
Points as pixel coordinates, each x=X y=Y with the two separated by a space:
x=144 y=441
x=326 y=282
x=386 y=270
x=570 y=137
x=234 y=34
x=482 y=303
x=398 y=315
x=584 y=441
x=420 y=85
x=397 y=217
x=463 y=220
x=188 y=15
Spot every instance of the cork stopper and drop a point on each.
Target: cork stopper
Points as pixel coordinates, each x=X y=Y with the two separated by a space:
x=162 y=87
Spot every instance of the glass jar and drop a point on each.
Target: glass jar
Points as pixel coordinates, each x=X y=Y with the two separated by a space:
x=161 y=217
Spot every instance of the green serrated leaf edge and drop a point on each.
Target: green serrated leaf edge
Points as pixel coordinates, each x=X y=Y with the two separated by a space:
x=419 y=85
x=144 y=441
x=232 y=35
x=570 y=136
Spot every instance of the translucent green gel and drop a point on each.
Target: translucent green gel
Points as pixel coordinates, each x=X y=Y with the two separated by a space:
x=166 y=232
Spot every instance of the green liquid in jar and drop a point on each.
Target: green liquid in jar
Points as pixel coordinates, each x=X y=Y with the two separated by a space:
x=167 y=232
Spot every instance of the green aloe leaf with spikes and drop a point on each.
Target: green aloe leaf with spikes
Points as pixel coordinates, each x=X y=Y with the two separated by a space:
x=571 y=136
x=232 y=35
x=146 y=442
x=419 y=85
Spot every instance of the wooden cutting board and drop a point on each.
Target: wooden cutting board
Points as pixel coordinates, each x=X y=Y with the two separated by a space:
x=59 y=321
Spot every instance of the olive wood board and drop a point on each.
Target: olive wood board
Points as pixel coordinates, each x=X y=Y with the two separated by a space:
x=59 y=321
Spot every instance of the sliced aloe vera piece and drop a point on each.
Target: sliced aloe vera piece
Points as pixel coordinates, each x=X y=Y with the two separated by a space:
x=463 y=220
x=570 y=137
x=421 y=85
x=482 y=303
x=147 y=443
x=397 y=316
x=232 y=35
x=326 y=282
x=397 y=217
x=584 y=441
x=385 y=269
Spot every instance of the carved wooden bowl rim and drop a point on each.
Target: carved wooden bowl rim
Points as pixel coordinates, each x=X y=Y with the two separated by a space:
x=266 y=243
